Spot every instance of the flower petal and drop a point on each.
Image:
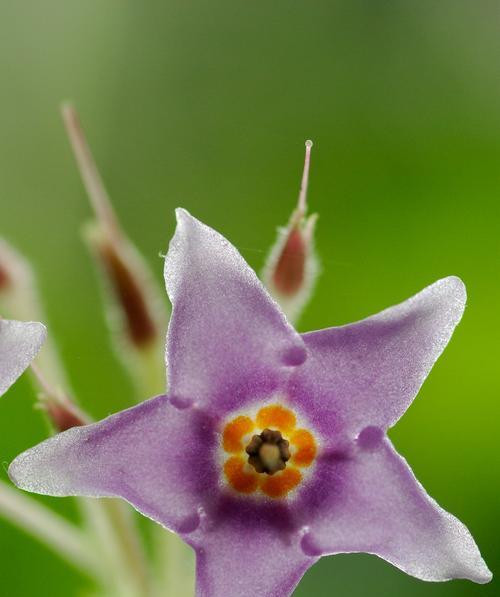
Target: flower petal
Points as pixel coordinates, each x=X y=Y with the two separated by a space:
x=243 y=557
x=156 y=456
x=374 y=504
x=19 y=343
x=367 y=373
x=227 y=340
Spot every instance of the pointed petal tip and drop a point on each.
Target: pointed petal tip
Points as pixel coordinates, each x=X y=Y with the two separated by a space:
x=26 y=470
x=182 y=214
x=15 y=473
x=20 y=342
x=39 y=328
x=453 y=291
x=183 y=219
x=30 y=335
x=475 y=568
x=454 y=284
x=39 y=332
x=484 y=575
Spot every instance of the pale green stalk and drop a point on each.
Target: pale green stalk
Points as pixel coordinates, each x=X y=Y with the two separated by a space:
x=174 y=565
x=51 y=529
x=112 y=527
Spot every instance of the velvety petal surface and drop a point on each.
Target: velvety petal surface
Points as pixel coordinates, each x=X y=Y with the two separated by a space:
x=374 y=504
x=248 y=552
x=155 y=455
x=227 y=341
x=367 y=373
x=19 y=344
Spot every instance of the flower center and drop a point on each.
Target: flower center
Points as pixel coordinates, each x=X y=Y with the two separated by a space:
x=256 y=456
x=268 y=452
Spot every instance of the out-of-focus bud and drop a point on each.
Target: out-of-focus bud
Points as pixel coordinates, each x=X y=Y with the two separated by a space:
x=4 y=279
x=122 y=270
x=65 y=416
x=136 y=311
x=19 y=299
x=18 y=295
x=292 y=267
x=61 y=411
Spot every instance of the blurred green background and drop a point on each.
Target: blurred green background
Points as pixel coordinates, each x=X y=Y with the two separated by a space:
x=207 y=105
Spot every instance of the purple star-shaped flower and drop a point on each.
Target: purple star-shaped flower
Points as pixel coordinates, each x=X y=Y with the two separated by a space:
x=270 y=449
x=19 y=344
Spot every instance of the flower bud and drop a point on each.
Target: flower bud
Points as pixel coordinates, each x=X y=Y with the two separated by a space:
x=19 y=299
x=18 y=296
x=134 y=302
x=64 y=416
x=137 y=313
x=291 y=268
x=61 y=411
x=4 y=279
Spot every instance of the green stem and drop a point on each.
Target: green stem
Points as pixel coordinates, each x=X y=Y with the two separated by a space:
x=174 y=565
x=112 y=525
x=148 y=372
x=63 y=537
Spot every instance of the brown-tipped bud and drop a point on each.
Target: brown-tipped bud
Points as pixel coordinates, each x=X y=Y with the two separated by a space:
x=61 y=411
x=138 y=313
x=291 y=268
x=288 y=275
x=134 y=299
x=64 y=416
x=17 y=287
x=19 y=299
x=4 y=278
x=140 y=324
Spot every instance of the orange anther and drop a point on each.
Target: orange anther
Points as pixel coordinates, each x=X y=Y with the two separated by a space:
x=234 y=432
x=305 y=447
x=281 y=483
x=276 y=416
x=239 y=479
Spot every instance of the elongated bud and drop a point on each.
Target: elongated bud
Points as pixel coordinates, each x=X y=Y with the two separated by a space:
x=19 y=299
x=291 y=267
x=141 y=327
x=137 y=313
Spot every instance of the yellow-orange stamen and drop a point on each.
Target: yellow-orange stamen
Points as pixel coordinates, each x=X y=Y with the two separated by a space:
x=240 y=479
x=276 y=417
x=234 y=432
x=281 y=483
x=305 y=447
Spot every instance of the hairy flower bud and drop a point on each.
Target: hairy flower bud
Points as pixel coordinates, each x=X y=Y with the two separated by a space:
x=137 y=313
x=19 y=298
x=292 y=267
x=64 y=416
x=61 y=411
